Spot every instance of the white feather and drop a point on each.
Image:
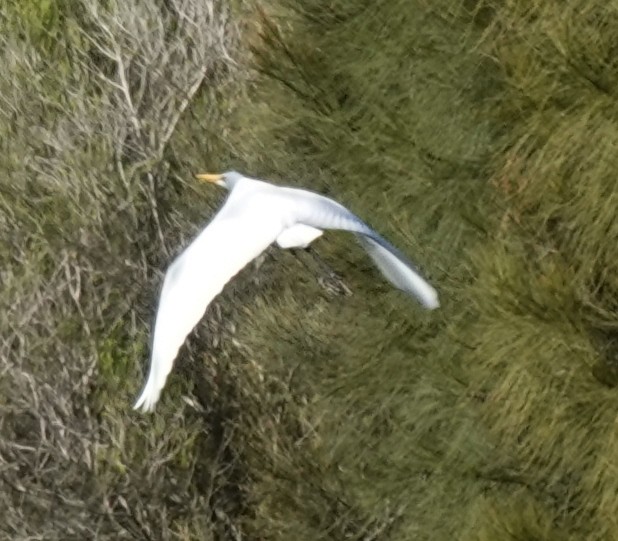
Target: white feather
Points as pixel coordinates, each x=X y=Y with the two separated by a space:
x=255 y=215
x=193 y=280
x=298 y=236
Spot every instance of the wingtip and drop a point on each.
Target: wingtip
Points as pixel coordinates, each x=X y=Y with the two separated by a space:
x=138 y=406
x=146 y=402
x=143 y=408
x=425 y=293
x=432 y=303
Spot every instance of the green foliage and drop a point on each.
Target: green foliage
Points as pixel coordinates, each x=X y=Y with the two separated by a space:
x=547 y=284
x=516 y=517
x=479 y=136
x=482 y=141
x=117 y=360
x=39 y=19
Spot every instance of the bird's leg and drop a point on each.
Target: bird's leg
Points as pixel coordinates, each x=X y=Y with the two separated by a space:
x=328 y=278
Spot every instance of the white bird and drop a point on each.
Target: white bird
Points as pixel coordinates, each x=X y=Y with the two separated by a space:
x=255 y=215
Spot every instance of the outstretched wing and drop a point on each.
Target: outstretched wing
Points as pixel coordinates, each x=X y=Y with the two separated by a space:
x=398 y=270
x=199 y=274
x=323 y=213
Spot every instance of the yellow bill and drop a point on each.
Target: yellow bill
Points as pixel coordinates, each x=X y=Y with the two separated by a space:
x=209 y=177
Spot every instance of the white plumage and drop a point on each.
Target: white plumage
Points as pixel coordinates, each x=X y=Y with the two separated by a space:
x=255 y=215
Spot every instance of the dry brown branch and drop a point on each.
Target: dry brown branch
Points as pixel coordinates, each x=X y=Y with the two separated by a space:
x=86 y=133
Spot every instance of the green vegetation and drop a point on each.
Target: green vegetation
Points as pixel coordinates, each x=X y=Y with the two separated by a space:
x=479 y=136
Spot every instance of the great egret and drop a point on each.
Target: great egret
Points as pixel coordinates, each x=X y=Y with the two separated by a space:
x=255 y=215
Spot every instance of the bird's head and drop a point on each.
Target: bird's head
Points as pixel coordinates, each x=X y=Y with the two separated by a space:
x=227 y=180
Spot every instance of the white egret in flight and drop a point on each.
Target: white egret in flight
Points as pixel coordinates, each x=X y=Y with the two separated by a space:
x=255 y=215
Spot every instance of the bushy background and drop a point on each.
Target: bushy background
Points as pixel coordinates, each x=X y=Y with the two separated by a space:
x=479 y=136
